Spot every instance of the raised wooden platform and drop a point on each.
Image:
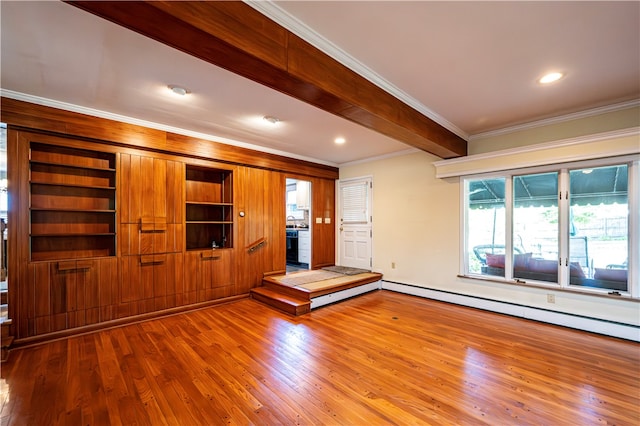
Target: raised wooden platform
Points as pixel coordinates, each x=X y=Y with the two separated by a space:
x=293 y=293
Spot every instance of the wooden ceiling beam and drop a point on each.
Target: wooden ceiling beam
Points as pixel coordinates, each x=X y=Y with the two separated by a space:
x=234 y=36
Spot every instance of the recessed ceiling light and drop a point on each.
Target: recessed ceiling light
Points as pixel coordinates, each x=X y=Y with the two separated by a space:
x=340 y=140
x=551 y=77
x=271 y=119
x=179 y=90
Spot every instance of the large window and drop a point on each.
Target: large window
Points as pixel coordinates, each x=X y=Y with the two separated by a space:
x=567 y=227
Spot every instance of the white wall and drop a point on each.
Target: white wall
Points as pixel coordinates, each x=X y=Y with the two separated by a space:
x=416 y=225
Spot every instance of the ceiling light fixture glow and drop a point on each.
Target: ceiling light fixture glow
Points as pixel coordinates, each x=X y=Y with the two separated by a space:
x=179 y=90
x=550 y=77
x=271 y=119
x=340 y=140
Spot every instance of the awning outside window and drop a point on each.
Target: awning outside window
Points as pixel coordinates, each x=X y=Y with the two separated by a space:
x=603 y=185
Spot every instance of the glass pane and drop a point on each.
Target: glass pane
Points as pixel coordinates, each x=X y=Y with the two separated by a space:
x=535 y=227
x=599 y=227
x=485 y=226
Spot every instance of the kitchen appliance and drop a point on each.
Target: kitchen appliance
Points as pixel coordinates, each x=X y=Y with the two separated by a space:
x=292 y=246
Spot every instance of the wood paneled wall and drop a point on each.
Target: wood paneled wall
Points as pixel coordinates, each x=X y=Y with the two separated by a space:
x=151 y=272
x=33 y=116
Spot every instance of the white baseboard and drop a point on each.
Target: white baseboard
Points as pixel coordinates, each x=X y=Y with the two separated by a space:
x=316 y=302
x=593 y=325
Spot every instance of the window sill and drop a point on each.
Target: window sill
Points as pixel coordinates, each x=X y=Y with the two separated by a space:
x=555 y=287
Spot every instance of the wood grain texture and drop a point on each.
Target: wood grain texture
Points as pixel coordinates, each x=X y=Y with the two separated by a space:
x=323 y=242
x=234 y=36
x=260 y=194
x=379 y=359
x=110 y=132
x=147 y=271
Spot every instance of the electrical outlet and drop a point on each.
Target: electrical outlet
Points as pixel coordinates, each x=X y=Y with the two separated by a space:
x=393 y=265
x=551 y=298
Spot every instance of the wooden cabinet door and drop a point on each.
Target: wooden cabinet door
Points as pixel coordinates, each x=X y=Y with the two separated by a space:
x=264 y=218
x=67 y=294
x=150 y=283
x=151 y=205
x=211 y=274
x=323 y=239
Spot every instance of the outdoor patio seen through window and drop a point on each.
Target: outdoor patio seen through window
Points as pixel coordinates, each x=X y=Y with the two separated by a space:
x=567 y=227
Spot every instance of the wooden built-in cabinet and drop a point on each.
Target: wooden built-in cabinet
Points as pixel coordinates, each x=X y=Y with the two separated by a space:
x=150 y=282
x=151 y=237
x=106 y=229
x=72 y=202
x=261 y=245
x=209 y=208
x=65 y=294
x=212 y=276
x=151 y=198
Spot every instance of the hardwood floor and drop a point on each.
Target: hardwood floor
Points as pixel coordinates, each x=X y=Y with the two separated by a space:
x=381 y=358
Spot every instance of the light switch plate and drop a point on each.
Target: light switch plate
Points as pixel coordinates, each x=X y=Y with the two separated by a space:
x=327 y=220
x=318 y=220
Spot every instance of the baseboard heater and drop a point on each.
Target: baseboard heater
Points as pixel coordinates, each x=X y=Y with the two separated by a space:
x=593 y=325
x=327 y=299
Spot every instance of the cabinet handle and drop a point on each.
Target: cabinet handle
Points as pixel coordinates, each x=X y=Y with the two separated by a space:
x=74 y=265
x=84 y=264
x=206 y=256
x=153 y=224
x=146 y=227
x=152 y=258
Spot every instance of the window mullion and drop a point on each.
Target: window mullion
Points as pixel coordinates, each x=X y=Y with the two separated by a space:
x=563 y=229
x=634 y=228
x=508 y=261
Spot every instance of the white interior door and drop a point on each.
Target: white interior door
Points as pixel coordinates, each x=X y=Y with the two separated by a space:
x=355 y=233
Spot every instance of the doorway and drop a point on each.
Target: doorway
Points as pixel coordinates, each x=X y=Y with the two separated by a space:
x=354 y=211
x=298 y=229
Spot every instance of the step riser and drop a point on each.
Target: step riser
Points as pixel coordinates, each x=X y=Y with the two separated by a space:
x=289 y=291
x=282 y=305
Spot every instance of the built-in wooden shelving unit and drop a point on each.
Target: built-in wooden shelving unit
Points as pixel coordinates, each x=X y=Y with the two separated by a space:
x=209 y=208
x=72 y=203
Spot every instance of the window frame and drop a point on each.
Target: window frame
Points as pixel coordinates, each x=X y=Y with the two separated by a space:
x=563 y=170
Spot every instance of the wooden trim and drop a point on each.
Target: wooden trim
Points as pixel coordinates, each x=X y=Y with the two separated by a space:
x=236 y=37
x=33 y=117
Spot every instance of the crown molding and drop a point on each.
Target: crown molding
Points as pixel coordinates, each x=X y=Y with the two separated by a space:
x=286 y=20
x=152 y=125
x=556 y=120
x=382 y=157
x=517 y=158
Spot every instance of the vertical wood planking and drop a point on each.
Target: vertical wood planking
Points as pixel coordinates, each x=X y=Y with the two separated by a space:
x=145 y=184
x=84 y=296
x=108 y=288
x=92 y=279
x=190 y=278
x=323 y=237
x=158 y=194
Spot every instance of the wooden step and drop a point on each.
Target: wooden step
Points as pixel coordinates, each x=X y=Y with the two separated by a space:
x=5 y=339
x=281 y=301
x=295 y=292
x=5 y=324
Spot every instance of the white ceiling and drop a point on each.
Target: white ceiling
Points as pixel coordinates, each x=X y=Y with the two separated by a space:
x=471 y=66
